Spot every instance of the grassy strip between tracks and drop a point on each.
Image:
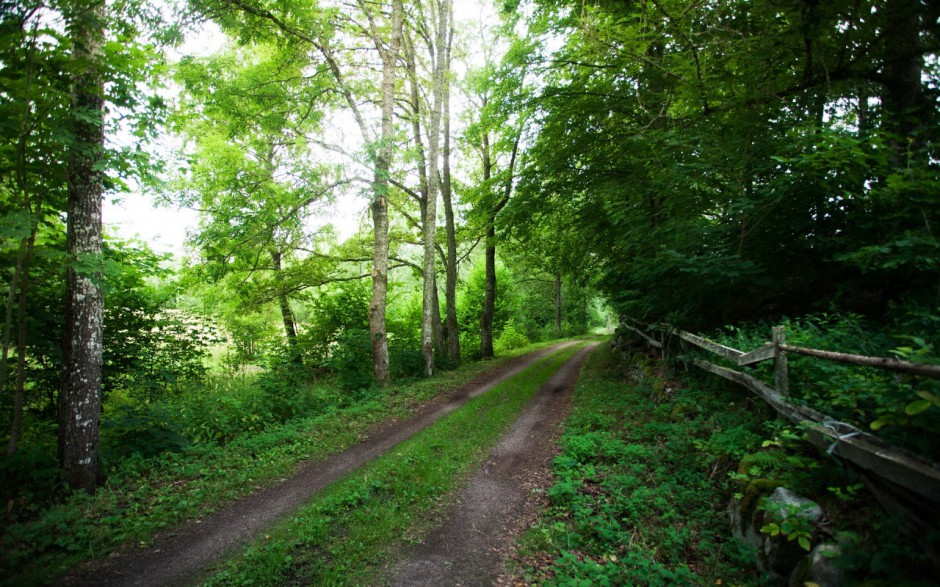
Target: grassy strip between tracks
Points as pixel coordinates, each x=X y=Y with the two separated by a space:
x=347 y=533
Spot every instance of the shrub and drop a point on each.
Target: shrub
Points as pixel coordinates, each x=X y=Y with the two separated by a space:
x=223 y=409
x=146 y=429
x=510 y=339
x=350 y=358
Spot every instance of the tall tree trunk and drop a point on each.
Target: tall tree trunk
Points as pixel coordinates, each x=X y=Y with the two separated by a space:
x=423 y=190
x=450 y=265
x=20 y=389
x=489 y=284
x=903 y=98
x=7 y=333
x=287 y=316
x=430 y=312
x=489 y=291
x=489 y=255
x=558 y=304
x=383 y=162
x=24 y=258
x=80 y=394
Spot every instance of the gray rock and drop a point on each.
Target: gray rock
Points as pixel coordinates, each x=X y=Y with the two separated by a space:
x=819 y=568
x=783 y=503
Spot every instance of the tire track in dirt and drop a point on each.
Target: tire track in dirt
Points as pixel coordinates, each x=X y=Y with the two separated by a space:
x=467 y=548
x=182 y=556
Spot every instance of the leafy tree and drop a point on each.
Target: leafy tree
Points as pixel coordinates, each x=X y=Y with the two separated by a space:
x=314 y=27
x=248 y=112
x=500 y=95
x=63 y=65
x=741 y=160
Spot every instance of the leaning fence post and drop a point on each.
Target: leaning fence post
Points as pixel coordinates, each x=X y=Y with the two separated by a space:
x=781 y=378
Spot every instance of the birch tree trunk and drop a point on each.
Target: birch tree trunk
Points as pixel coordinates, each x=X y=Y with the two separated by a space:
x=430 y=312
x=452 y=334
x=80 y=394
x=422 y=172
x=380 y=182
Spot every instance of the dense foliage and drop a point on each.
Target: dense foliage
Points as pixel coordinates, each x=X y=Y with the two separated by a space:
x=727 y=161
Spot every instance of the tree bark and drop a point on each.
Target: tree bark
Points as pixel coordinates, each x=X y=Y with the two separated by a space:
x=452 y=334
x=287 y=316
x=489 y=285
x=558 y=304
x=8 y=327
x=383 y=161
x=20 y=390
x=904 y=104
x=80 y=394
x=489 y=291
x=430 y=312
x=489 y=255
x=423 y=190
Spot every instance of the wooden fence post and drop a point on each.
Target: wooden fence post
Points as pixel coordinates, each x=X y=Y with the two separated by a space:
x=781 y=377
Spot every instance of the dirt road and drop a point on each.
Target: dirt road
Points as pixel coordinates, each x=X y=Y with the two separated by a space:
x=469 y=546
x=181 y=557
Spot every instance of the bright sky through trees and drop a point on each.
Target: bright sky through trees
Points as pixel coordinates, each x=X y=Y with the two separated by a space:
x=164 y=227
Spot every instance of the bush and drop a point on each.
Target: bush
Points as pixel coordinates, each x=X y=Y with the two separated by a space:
x=146 y=429
x=351 y=359
x=510 y=339
x=223 y=409
x=30 y=480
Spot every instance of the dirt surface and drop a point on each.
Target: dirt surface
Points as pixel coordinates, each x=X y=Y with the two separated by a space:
x=182 y=556
x=477 y=533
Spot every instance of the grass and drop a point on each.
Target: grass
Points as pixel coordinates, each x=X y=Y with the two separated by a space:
x=349 y=532
x=145 y=495
x=640 y=491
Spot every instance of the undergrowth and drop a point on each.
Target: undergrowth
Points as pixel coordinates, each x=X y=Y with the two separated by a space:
x=902 y=409
x=641 y=492
x=348 y=532
x=146 y=492
x=647 y=470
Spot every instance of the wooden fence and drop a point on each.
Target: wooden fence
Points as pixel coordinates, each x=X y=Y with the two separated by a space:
x=902 y=481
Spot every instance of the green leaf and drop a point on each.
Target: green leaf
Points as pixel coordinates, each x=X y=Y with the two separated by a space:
x=916 y=407
x=804 y=542
x=771 y=529
x=929 y=397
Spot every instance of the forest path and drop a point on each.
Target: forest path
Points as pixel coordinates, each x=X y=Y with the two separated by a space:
x=181 y=556
x=469 y=547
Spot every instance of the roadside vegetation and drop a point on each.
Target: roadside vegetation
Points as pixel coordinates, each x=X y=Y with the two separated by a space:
x=146 y=492
x=650 y=461
x=900 y=409
x=641 y=489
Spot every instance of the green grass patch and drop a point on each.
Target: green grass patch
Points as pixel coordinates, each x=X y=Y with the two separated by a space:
x=348 y=532
x=641 y=492
x=147 y=494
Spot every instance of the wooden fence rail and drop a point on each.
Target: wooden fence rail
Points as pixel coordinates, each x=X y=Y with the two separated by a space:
x=901 y=468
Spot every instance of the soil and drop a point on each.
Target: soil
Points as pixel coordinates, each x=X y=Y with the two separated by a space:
x=475 y=538
x=182 y=556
